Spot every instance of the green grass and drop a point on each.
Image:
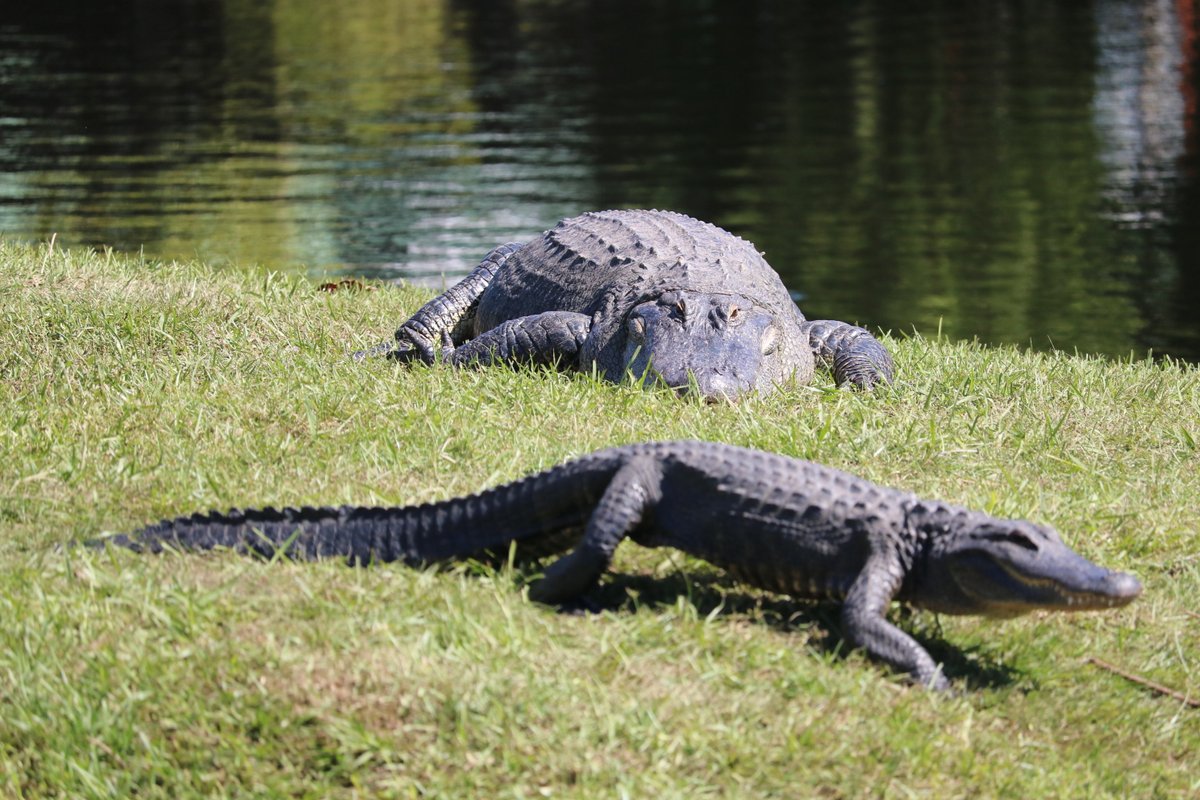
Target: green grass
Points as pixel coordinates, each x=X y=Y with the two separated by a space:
x=134 y=391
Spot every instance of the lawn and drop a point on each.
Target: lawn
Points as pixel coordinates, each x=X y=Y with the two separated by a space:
x=131 y=391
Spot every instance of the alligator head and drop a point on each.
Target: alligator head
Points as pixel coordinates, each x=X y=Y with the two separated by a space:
x=721 y=346
x=1003 y=568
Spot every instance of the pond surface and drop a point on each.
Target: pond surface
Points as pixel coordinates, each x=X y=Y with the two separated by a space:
x=1021 y=172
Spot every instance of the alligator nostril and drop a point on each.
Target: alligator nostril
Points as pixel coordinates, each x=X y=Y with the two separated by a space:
x=1124 y=587
x=718 y=388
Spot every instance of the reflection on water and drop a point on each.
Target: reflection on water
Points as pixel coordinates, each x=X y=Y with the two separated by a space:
x=1015 y=172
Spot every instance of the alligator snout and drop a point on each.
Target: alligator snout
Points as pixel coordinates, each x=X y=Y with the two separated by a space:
x=717 y=346
x=1120 y=588
x=718 y=388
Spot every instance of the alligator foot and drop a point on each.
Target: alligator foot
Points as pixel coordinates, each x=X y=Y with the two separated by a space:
x=582 y=606
x=855 y=356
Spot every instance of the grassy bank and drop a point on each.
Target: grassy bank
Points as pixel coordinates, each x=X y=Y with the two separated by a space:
x=130 y=392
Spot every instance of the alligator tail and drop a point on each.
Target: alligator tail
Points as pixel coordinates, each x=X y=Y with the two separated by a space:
x=542 y=514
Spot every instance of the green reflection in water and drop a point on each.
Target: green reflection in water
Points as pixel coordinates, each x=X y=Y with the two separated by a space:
x=952 y=193
x=344 y=83
x=930 y=166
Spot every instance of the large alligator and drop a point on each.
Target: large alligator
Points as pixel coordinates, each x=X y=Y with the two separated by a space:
x=652 y=294
x=774 y=522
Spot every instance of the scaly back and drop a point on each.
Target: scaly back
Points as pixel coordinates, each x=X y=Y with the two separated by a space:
x=621 y=257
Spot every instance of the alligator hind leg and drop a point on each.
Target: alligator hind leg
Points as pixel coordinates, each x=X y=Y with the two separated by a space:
x=852 y=353
x=634 y=489
x=446 y=319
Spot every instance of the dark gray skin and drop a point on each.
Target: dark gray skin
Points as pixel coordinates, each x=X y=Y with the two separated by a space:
x=773 y=522
x=650 y=294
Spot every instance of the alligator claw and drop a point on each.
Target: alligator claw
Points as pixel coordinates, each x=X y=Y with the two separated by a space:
x=381 y=349
x=403 y=352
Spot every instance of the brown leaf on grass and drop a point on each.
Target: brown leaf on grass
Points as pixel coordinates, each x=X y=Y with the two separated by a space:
x=346 y=285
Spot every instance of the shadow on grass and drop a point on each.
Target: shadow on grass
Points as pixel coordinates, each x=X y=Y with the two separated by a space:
x=718 y=595
x=722 y=596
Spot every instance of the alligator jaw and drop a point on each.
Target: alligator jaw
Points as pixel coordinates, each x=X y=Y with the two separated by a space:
x=1087 y=592
x=1067 y=582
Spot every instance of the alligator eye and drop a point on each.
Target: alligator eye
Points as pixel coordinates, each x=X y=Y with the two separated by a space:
x=770 y=340
x=1015 y=537
x=637 y=328
x=733 y=313
x=1021 y=539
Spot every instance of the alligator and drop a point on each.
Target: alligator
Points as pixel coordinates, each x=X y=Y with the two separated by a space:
x=657 y=295
x=774 y=522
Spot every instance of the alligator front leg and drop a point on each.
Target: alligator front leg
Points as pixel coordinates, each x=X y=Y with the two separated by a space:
x=552 y=337
x=866 y=626
x=634 y=489
x=852 y=353
x=446 y=319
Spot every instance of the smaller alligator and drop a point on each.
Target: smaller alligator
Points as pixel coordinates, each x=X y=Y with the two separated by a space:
x=657 y=295
x=773 y=522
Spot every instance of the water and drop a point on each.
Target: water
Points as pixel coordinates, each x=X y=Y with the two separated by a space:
x=1015 y=172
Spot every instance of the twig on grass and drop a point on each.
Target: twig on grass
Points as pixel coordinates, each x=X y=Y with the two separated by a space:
x=1149 y=684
